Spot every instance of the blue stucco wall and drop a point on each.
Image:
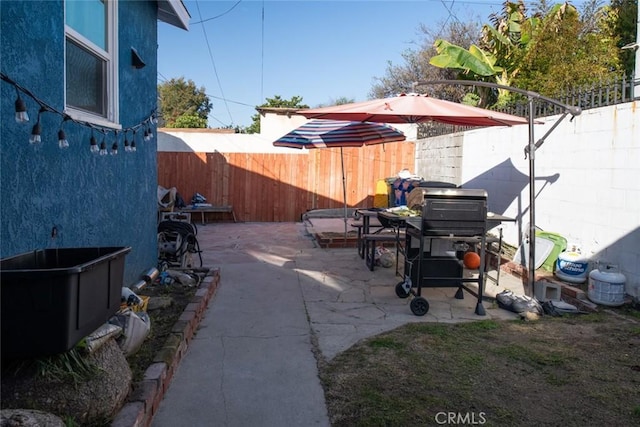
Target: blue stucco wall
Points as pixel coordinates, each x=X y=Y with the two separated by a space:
x=93 y=201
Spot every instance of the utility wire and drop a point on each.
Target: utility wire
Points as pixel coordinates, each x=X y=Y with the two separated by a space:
x=262 y=56
x=229 y=100
x=213 y=63
x=163 y=78
x=217 y=16
x=451 y=14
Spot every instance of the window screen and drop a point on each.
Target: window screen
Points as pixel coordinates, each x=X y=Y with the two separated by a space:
x=86 y=80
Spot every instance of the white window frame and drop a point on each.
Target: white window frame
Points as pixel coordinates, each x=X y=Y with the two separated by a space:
x=112 y=120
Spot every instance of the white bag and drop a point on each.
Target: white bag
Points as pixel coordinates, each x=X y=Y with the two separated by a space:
x=136 y=328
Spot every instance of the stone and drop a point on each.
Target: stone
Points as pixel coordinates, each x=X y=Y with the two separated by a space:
x=28 y=418
x=85 y=400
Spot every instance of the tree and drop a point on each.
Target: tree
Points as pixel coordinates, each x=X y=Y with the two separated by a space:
x=399 y=78
x=338 y=101
x=189 y=121
x=624 y=24
x=569 y=50
x=498 y=54
x=275 y=102
x=542 y=53
x=181 y=104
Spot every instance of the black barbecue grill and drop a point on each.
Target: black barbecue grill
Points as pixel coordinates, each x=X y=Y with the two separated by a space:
x=454 y=211
x=458 y=218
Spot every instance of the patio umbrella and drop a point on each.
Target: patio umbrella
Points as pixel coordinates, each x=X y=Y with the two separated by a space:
x=336 y=133
x=414 y=108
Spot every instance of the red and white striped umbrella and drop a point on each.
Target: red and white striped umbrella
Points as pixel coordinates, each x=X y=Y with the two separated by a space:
x=334 y=133
x=338 y=134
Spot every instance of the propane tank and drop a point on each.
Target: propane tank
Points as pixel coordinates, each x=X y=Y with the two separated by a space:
x=606 y=285
x=572 y=267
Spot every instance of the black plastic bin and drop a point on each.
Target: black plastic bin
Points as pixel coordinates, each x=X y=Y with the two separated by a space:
x=52 y=298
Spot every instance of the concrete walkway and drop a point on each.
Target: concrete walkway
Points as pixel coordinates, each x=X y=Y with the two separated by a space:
x=282 y=303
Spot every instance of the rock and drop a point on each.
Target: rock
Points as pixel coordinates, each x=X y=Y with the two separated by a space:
x=29 y=418
x=98 y=398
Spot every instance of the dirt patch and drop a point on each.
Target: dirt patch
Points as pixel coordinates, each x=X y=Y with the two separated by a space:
x=86 y=401
x=166 y=304
x=574 y=371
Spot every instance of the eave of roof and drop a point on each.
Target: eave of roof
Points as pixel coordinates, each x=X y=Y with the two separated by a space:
x=174 y=12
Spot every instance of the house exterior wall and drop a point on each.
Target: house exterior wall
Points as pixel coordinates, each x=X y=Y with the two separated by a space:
x=93 y=201
x=587 y=180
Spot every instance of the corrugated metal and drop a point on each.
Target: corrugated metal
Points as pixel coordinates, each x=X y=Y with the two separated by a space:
x=281 y=187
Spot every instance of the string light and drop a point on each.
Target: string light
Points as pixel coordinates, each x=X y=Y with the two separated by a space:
x=22 y=116
x=103 y=145
x=133 y=142
x=114 y=147
x=36 y=131
x=127 y=146
x=93 y=144
x=62 y=138
x=21 y=109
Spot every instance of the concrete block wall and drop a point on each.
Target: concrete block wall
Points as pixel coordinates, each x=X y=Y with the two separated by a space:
x=440 y=159
x=587 y=180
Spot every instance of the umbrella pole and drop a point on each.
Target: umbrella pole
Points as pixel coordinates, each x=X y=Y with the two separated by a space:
x=532 y=203
x=344 y=196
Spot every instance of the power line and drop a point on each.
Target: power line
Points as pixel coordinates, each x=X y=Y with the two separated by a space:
x=213 y=63
x=217 y=16
x=229 y=100
x=451 y=14
x=262 y=56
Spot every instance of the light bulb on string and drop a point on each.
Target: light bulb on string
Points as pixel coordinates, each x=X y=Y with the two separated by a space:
x=114 y=147
x=36 y=132
x=21 y=109
x=93 y=144
x=103 y=146
x=133 y=142
x=62 y=138
x=127 y=146
x=148 y=131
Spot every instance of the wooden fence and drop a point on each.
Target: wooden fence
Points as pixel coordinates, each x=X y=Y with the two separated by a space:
x=268 y=187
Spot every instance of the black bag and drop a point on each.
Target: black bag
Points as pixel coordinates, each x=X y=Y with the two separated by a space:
x=179 y=202
x=559 y=308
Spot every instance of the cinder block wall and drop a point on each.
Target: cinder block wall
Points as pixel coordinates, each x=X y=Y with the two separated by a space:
x=587 y=180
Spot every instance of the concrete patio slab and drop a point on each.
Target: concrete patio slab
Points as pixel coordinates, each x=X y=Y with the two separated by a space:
x=282 y=303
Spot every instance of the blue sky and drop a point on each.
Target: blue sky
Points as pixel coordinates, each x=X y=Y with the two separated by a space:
x=319 y=50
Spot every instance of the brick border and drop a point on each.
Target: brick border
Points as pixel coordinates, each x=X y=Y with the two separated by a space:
x=145 y=397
